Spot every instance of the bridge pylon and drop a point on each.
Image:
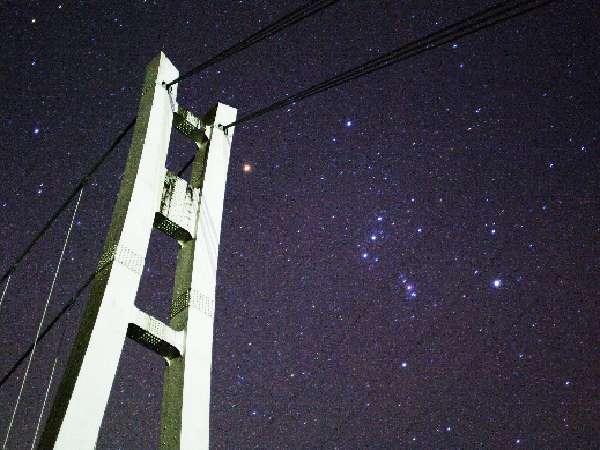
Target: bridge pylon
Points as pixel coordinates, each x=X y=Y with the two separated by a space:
x=152 y=197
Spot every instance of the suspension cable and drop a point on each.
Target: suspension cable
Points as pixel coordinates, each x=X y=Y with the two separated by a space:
x=82 y=183
x=57 y=353
x=487 y=18
x=56 y=272
x=65 y=309
x=41 y=415
x=4 y=290
x=310 y=8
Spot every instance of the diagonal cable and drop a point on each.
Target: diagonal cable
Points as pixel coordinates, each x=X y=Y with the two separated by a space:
x=487 y=18
x=65 y=309
x=82 y=183
x=32 y=354
x=4 y=290
x=57 y=353
x=309 y=9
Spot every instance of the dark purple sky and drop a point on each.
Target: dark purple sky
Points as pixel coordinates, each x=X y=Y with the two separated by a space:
x=412 y=261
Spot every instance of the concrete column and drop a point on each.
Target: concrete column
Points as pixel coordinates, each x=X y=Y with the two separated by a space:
x=78 y=408
x=186 y=396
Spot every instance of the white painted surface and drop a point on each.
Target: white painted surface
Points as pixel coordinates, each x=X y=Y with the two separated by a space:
x=83 y=417
x=199 y=331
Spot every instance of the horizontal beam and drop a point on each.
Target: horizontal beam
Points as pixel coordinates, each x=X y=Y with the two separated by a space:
x=178 y=208
x=155 y=335
x=189 y=125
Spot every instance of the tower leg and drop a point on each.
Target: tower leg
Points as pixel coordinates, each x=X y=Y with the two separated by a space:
x=77 y=411
x=186 y=394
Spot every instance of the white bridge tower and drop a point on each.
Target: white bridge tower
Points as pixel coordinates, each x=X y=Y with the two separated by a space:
x=152 y=197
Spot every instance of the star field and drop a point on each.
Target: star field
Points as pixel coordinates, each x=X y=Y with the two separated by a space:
x=409 y=260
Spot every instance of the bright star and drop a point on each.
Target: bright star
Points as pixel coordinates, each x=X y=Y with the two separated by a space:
x=404 y=364
x=379 y=219
x=36 y=131
x=373 y=237
x=365 y=255
x=497 y=283
x=348 y=123
x=247 y=168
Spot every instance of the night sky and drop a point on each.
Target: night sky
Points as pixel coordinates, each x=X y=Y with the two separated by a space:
x=411 y=260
